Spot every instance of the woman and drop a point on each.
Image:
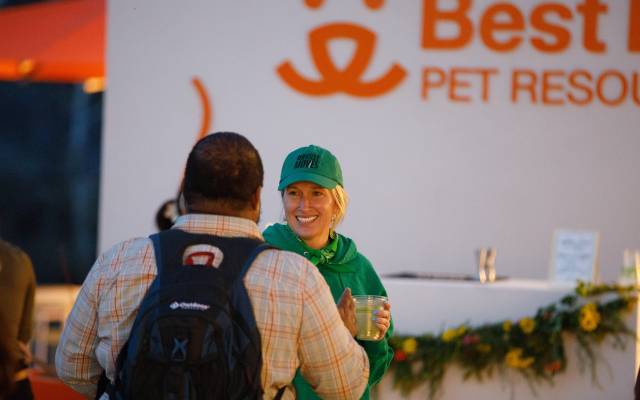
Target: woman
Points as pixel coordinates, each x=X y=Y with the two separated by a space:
x=314 y=204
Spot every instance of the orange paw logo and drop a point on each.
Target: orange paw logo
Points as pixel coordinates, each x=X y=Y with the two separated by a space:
x=349 y=79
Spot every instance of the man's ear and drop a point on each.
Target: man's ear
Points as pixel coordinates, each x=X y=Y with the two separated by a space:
x=255 y=198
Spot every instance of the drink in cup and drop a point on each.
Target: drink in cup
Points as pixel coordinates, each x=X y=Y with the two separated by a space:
x=365 y=306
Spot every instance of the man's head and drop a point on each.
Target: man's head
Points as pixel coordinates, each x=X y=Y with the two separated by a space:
x=224 y=176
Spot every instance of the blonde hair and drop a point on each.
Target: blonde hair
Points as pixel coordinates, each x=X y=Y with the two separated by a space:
x=341 y=199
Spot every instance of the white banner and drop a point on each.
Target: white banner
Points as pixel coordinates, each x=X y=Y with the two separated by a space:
x=458 y=124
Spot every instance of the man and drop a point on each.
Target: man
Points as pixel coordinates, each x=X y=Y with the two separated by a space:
x=17 y=294
x=297 y=319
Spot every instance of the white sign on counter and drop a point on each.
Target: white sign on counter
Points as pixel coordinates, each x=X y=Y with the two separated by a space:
x=574 y=256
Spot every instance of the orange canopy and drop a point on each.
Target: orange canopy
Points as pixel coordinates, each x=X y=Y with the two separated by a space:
x=58 y=41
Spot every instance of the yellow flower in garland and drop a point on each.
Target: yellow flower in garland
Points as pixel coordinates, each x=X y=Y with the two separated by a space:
x=409 y=346
x=527 y=325
x=589 y=317
x=483 y=348
x=506 y=326
x=514 y=359
x=588 y=324
x=583 y=289
x=449 y=335
x=589 y=307
x=453 y=333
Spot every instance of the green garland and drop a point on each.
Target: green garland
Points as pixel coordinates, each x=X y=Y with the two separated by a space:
x=533 y=346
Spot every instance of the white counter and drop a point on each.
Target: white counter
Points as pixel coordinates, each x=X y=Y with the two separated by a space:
x=421 y=306
x=52 y=305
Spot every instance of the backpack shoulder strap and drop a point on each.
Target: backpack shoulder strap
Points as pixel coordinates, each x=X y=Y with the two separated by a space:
x=252 y=256
x=280 y=393
x=167 y=247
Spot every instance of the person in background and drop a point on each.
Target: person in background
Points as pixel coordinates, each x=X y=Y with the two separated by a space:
x=7 y=361
x=166 y=215
x=314 y=203
x=295 y=313
x=17 y=295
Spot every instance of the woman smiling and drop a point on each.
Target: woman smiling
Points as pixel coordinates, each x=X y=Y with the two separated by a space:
x=314 y=203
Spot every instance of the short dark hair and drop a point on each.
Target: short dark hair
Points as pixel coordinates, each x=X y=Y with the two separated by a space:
x=167 y=214
x=223 y=167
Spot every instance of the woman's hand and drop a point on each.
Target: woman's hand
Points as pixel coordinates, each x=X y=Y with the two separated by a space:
x=383 y=319
x=347 y=309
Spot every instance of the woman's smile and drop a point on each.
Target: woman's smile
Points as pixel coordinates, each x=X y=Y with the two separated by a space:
x=306 y=220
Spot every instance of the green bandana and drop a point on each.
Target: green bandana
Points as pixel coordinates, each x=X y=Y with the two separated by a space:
x=337 y=255
x=321 y=256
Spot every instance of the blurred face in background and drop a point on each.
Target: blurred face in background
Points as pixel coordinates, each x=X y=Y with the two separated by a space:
x=309 y=210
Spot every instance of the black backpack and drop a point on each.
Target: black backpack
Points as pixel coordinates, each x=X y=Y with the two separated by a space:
x=195 y=335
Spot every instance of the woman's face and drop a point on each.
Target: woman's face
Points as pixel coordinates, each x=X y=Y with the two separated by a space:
x=309 y=209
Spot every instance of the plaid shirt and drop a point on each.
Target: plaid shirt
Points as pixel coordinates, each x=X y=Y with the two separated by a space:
x=298 y=321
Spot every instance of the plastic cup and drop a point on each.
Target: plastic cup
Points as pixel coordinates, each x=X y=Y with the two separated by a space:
x=365 y=306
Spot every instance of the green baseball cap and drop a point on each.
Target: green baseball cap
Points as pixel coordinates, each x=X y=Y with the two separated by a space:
x=313 y=164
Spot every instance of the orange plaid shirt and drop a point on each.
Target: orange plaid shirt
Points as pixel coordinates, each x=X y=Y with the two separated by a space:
x=297 y=318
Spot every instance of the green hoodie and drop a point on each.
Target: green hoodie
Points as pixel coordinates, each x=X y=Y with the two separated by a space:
x=342 y=266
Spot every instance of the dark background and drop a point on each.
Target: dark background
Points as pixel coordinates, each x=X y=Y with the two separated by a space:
x=7 y=3
x=50 y=136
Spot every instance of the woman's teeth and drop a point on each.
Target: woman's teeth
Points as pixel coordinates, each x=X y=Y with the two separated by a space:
x=306 y=220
